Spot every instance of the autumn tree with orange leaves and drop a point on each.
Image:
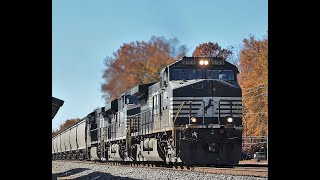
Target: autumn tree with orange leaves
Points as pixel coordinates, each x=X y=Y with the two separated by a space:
x=211 y=49
x=138 y=62
x=253 y=79
x=68 y=123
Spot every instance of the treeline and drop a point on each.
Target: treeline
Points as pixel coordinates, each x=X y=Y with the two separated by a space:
x=140 y=62
x=253 y=78
x=68 y=123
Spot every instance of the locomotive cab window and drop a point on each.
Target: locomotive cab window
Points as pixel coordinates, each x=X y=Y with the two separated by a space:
x=189 y=74
x=220 y=74
x=131 y=100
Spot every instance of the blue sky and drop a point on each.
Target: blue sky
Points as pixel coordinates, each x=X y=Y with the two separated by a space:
x=85 y=32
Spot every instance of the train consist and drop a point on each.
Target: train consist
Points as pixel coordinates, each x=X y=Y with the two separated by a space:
x=192 y=116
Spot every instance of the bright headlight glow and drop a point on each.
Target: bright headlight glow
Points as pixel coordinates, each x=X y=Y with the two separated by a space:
x=193 y=119
x=229 y=119
x=201 y=62
x=206 y=62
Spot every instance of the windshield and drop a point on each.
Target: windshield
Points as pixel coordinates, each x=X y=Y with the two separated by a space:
x=188 y=74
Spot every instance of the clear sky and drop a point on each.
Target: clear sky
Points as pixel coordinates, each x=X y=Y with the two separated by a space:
x=85 y=32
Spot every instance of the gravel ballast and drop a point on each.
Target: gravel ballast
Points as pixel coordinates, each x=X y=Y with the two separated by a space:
x=96 y=171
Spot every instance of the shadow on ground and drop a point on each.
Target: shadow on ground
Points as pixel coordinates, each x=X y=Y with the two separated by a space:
x=90 y=176
x=100 y=176
x=68 y=173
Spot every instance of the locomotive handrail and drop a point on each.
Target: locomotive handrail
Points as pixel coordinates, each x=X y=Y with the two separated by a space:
x=140 y=113
x=219 y=111
x=145 y=123
x=180 y=107
x=173 y=127
x=96 y=129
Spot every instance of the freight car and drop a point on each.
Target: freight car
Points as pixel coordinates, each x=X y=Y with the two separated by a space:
x=192 y=116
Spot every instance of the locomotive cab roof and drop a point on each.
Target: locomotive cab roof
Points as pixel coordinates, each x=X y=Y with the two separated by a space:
x=213 y=62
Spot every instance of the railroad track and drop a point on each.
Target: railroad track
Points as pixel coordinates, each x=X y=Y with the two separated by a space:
x=257 y=170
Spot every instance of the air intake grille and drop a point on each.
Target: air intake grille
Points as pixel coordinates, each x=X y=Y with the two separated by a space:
x=229 y=107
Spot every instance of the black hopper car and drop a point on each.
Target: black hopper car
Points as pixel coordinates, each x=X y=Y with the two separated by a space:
x=192 y=116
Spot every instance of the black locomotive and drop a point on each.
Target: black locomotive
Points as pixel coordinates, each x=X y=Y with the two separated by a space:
x=192 y=116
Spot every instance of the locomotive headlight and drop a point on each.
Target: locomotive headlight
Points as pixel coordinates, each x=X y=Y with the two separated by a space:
x=203 y=62
x=230 y=119
x=193 y=119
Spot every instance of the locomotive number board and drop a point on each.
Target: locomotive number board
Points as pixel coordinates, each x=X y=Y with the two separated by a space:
x=196 y=61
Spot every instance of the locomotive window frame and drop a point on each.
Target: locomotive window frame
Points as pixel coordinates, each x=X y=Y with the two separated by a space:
x=152 y=102
x=164 y=78
x=190 y=74
x=229 y=73
x=157 y=104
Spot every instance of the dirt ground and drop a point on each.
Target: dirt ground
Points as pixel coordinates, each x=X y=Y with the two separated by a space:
x=253 y=161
